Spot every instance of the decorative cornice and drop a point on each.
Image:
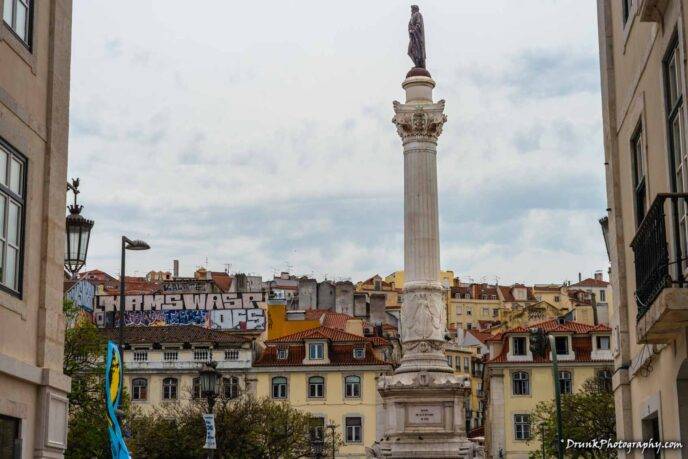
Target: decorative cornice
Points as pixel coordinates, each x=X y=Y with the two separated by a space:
x=419 y=121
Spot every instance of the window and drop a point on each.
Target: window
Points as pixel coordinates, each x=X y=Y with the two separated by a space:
x=522 y=426
x=556 y=299
x=232 y=354
x=230 y=387
x=353 y=430
x=625 y=10
x=352 y=386
x=202 y=354
x=603 y=296
x=10 y=437
x=316 y=351
x=140 y=356
x=562 y=345
x=282 y=354
x=458 y=310
x=359 y=353
x=139 y=389
x=196 y=388
x=521 y=383
x=469 y=311
x=17 y=14
x=603 y=343
x=468 y=296
x=316 y=387
x=565 y=382
x=279 y=387
x=495 y=312
x=12 y=195
x=486 y=312
x=317 y=429
x=169 y=389
x=458 y=363
x=467 y=364
x=605 y=378
x=519 y=343
x=483 y=296
x=469 y=326
x=170 y=356
x=450 y=361
x=638 y=163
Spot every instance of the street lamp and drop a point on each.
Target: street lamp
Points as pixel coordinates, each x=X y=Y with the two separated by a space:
x=209 y=386
x=331 y=425
x=127 y=244
x=78 y=234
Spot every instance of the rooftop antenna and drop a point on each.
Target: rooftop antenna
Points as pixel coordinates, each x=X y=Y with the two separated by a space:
x=228 y=267
x=496 y=280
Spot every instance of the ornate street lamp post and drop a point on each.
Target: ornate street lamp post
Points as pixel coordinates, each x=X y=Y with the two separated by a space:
x=78 y=234
x=210 y=388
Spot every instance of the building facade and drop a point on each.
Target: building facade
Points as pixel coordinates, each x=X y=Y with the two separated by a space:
x=516 y=381
x=643 y=70
x=35 y=47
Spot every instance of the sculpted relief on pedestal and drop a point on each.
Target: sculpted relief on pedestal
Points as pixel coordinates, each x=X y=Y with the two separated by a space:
x=423 y=316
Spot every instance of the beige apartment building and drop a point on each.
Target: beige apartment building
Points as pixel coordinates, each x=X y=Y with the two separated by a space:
x=643 y=68
x=35 y=46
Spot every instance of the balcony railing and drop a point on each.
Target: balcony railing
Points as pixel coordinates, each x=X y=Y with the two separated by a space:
x=655 y=270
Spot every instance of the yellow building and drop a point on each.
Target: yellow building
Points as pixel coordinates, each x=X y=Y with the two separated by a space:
x=473 y=306
x=377 y=285
x=282 y=322
x=466 y=362
x=330 y=374
x=516 y=382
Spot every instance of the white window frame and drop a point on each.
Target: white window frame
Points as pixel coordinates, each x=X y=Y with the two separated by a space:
x=353 y=433
x=13 y=188
x=316 y=351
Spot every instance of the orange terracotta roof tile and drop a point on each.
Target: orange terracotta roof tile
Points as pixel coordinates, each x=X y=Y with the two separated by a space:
x=331 y=334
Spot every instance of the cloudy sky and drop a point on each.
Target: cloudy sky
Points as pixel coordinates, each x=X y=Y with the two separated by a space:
x=259 y=134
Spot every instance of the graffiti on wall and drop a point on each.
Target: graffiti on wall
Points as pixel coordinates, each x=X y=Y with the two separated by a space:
x=180 y=301
x=229 y=319
x=238 y=319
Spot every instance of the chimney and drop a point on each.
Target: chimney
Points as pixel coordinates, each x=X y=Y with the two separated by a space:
x=598 y=275
x=580 y=278
x=175 y=268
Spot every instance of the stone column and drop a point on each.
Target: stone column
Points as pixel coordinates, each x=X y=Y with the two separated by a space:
x=423 y=314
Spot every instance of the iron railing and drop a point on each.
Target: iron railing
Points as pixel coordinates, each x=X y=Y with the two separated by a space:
x=654 y=268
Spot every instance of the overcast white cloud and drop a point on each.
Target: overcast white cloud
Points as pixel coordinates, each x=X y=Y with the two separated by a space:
x=259 y=134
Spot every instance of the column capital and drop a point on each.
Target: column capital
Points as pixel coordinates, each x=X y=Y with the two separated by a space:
x=419 y=122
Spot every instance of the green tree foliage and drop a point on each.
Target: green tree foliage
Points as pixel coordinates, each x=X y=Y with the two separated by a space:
x=587 y=414
x=246 y=428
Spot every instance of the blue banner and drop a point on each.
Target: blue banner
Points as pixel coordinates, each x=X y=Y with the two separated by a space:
x=113 y=395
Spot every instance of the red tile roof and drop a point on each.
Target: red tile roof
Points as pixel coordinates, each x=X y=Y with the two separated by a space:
x=331 y=334
x=222 y=280
x=553 y=325
x=174 y=334
x=591 y=282
x=335 y=320
x=481 y=336
x=378 y=341
x=339 y=354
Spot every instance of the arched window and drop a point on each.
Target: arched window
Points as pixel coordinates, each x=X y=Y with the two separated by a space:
x=521 y=383
x=196 y=388
x=352 y=386
x=169 y=389
x=279 y=387
x=231 y=387
x=565 y=386
x=139 y=389
x=316 y=386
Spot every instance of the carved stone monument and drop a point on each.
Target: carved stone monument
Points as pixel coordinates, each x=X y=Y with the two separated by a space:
x=423 y=401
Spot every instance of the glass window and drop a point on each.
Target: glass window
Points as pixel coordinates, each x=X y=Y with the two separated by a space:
x=353 y=430
x=17 y=15
x=562 y=345
x=316 y=386
x=467 y=364
x=231 y=387
x=353 y=386
x=12 y=218
x=519 y=343
x=603 y=343
x=139 y=389
x=316 y=351
x=625 y=10
x=522 y=426
x=196 y=388
x=605 y=378
x=359 y=353
x=521 y=383
x=282 y=354
x=450 y=361
x=279 y=387
x=169 y=389
x=317 y=429
x=638 y=157
x=565 y=382
x=10 y=437
x=603 y=296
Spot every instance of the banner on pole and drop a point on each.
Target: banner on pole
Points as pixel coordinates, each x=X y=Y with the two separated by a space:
x=209 y=420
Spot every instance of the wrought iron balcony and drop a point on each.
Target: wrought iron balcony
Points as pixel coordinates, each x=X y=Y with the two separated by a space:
x=659 y=257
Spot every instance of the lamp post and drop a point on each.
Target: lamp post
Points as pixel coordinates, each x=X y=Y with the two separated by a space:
x=209 y=387
x=332 y=426
x=127 y=244
x=78 y=234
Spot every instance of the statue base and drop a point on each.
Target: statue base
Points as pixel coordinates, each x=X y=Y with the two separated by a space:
x=418 y=71
x=424 y=416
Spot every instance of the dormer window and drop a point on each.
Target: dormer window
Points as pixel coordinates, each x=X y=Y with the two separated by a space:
x=316 y=351
x=282 y=354
x=359 y=352
x=519 y=344
x=468 y=296
x=562 y=345
x=603 y=343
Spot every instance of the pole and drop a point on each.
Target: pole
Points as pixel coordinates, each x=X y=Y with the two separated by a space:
x=557 y=396
x=211 y=406
x=542 y=432
x=121 y=301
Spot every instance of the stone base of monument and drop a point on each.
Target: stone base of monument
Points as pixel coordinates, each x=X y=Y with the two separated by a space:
x=424 y=416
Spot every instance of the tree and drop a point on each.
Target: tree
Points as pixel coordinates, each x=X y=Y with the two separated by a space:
x=84 y=357
x=586 y=415
x=246 y=428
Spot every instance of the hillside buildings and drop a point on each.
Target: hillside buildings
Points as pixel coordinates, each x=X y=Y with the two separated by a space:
x=35 y=47
x=643 y=66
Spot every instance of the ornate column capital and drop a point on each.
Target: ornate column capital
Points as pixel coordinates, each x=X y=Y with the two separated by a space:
x=420 y=122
